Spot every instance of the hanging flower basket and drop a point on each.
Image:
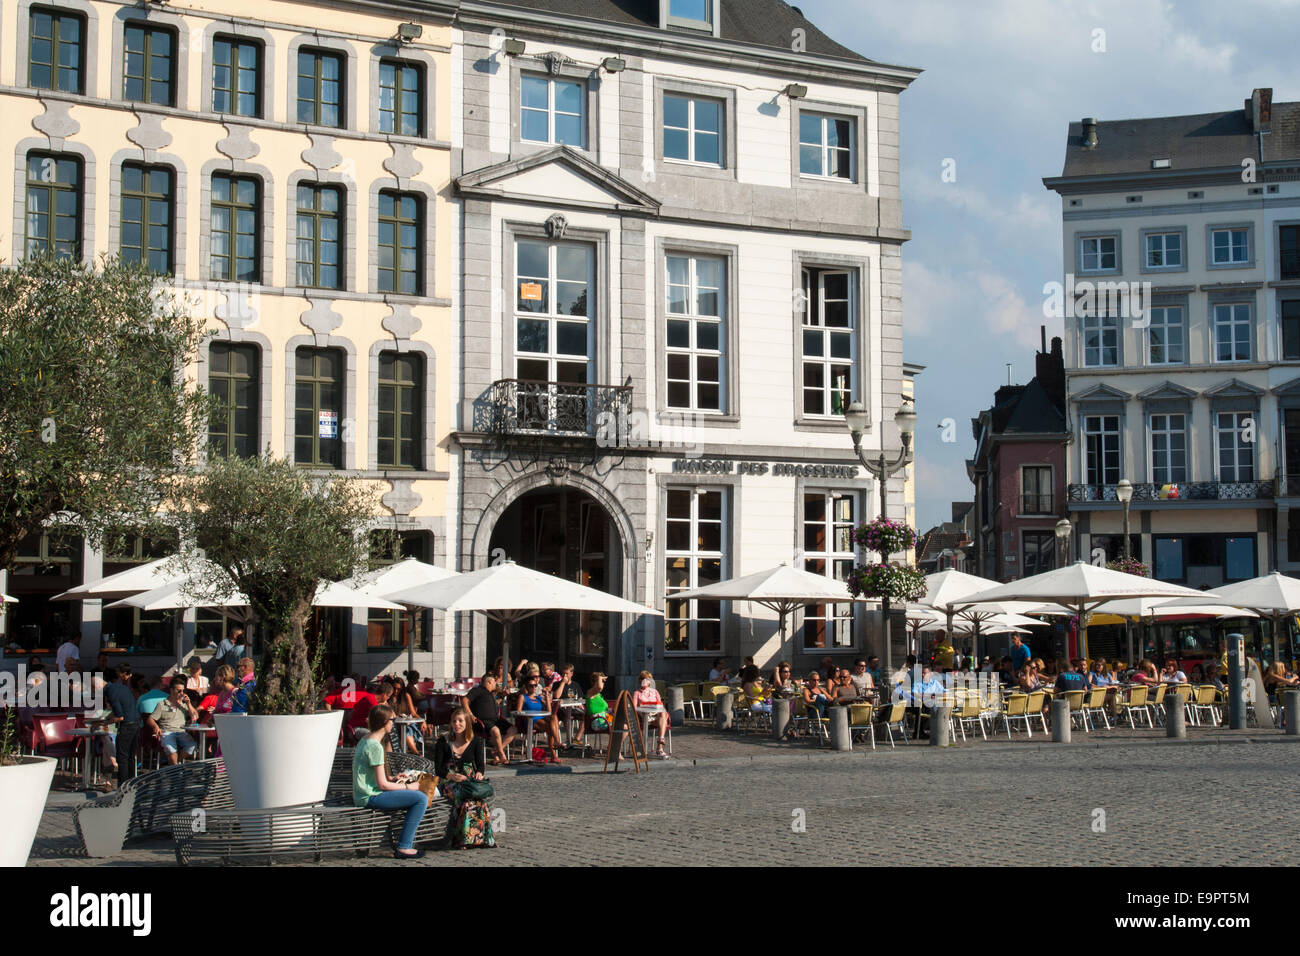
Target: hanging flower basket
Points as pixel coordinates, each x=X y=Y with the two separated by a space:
x=1130 y=566
x=898 y=582
x=885 y=537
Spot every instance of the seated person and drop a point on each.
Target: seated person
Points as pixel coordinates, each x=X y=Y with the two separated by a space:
x=1171 y=674
x=1100 y=676
x=488 y=722
x=815 y=696
x=862 y=679
x=597 y=706
x=647 y=696
x=1070 y=678
x=564 y=685
x=719 y=674
x=845 y=691
x=151 y=695
x=168 y=722
x=1277 y=680
x=535 y=699
x=196 y=682
x=1213 y=676
x=1145 y=673
x=1028 y=681
x=372 y=788
x=783 y=684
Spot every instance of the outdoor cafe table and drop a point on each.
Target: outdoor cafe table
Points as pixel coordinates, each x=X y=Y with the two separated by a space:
x=568 y=705
x=400 y=731
x=531 y=717
x=201 y=731
x=92 y=751
x=646 y=713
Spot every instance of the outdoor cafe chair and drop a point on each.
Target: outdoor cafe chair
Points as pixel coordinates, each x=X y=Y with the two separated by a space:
x=1202 y=703
x=1034 y=707
x=968 y=709
x=1156 y=703
x=690 y=696
x=892 y=715
x=1016 y=707
x=1075 y=698
x=1137 y=701
x=52 y=739
x=1094 y=705
x=862 y=719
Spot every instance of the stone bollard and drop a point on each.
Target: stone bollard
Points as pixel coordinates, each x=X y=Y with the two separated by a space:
x=1291 y=708
x=780 y=717
x=1175 y=717
x=940 y=732
x=840 y=738
x=675 y=698
x=723 y=718
x=1060 y=721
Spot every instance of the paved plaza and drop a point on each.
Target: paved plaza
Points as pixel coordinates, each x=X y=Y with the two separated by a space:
x=1221 y=798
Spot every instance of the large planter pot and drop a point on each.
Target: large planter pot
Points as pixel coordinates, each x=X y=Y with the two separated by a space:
x=278 y=761
x=23 y=789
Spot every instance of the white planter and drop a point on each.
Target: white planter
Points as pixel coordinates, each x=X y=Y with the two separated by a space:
x=278 y=761
x=23 y=789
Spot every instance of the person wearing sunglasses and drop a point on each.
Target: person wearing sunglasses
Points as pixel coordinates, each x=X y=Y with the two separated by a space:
x=534 y=698
x=814 y=695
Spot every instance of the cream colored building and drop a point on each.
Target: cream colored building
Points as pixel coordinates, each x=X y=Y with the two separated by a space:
x=288 y=163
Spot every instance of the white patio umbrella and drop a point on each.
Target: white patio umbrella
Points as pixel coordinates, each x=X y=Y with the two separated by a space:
x=1273 y=596
x=783 y=589
x=509 y=593
x=144 y=577
x=951 y=592
x=1081 y=588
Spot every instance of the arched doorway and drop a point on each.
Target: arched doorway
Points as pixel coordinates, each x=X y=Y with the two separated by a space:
x=568 y=533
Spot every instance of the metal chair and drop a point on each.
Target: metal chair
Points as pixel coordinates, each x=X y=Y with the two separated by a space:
x=1016 y=707
x=1094 y=705
x=1034 y=707
x=1137 y=702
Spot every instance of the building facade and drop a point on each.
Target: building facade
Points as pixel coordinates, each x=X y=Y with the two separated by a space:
x=681 y=231
x=287 y=165
x=1182 y=338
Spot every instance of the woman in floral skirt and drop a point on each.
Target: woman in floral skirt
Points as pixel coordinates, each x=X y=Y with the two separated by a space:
x=459 y=758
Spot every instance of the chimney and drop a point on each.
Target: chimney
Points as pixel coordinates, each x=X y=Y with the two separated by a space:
x=1042 y=332
x=1089 y=132
x=1259 y=109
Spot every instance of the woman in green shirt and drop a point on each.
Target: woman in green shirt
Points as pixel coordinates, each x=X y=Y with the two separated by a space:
x=372 y=788
x=597 y=706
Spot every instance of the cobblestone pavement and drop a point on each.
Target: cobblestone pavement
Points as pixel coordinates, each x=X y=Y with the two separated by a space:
x=1227 y=798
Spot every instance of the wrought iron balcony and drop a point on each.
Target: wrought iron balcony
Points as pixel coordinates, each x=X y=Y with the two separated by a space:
x=560 y=409
x=1174 y=493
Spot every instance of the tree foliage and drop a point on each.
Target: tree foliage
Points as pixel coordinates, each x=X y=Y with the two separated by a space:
x=95 y=418
x=275 y=532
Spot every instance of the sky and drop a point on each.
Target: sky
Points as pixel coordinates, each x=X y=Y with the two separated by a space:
x=1003 y=80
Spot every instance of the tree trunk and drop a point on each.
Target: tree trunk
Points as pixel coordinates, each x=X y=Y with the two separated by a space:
x=288 y=684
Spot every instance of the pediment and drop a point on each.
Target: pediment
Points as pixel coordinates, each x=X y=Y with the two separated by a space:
x=1288 y=388
x=559 y=176
x=1101 y=393
x=1234 y=388
x=1167 y=390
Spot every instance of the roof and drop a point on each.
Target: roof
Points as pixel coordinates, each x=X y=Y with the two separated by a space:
x=1030 y=411
x=1202 y=141
x=765 y=23
x=949 y=536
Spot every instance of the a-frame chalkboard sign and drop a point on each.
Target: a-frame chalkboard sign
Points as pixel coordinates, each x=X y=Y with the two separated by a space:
x=623 y=721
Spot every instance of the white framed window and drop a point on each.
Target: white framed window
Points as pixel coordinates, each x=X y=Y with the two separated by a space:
x=826 y=146
x=1098 y=254
x=1229 y=247
x=1165 y=345
x=1168 y=449
x=1232 y=332
x=552 y=111
x=696 y=332
x=695 y=523
x=1236 y=454
x=829 y=341
x=554 y=311
x=1100 y=341
x=693 y=14
x=828 y=519
x=1101 y=449
x=693 y=129
x=1164 y=250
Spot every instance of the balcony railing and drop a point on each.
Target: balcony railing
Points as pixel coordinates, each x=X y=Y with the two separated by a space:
x=1037 y=504
x=561 y=409
x=1183 y=491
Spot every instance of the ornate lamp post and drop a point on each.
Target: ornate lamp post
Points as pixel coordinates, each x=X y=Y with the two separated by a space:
x=1124 y=492
x=882 y=470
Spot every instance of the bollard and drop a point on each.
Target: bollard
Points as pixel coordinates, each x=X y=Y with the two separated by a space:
x=1060 y=721
x=1175 y=717
x=940 y=732
x=1291 y=709
x=780 y=717
x=676 y=701
x=840 y=739
x=723 y=719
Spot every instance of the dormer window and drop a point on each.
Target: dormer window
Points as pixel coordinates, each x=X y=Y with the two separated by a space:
x=690 y=14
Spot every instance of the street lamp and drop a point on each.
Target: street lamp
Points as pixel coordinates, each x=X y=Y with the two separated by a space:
x=1124 y=492
x=1063 y=540
x=856 y=420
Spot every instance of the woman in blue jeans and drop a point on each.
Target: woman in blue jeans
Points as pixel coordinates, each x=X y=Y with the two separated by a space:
x=372 y=788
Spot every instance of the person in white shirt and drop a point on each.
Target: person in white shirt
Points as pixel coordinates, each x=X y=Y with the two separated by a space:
x=196 y=681
x=1171 y=674
x=719 y=672
x=68 y=650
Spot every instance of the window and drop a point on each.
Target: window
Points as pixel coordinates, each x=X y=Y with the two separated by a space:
x=1169 y=559
x=233 y=380
x=1168 y=449
x=1239 y=558
x=1236 y=453
x=694 y=556
x=320 y=88
x=149 y=65
x=552 y=111
x=695 y=14
x=236 y=77
x=553 y=311
x=695 y=333
x=320 y=235
x=829 y=342
x=1164 y=250
x=401 y=399
x=828 y=550
x=1232 y=332
x=1039 y=552
x=1290 y=311
x=401 y=98
x=1100 y=341
x=693 y=130
x=825 y=146
x=1165 y=335
x=235 y=229
x=146 y=217
x=1101 y=449
x=318 y=408
x=394 y=629
x=1291 y=441
x=1036 y=490
x=1288 y=247
x=55 y=55
x=53 y=206
x=143 y=631
x=401 y=249
x=1098 y=254
x=1112 y=545
x=1229 y=247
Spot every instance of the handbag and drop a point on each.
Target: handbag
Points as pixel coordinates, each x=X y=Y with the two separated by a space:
x=476 y=790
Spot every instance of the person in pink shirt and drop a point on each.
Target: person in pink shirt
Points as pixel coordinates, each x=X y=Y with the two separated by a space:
x=647 y=696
